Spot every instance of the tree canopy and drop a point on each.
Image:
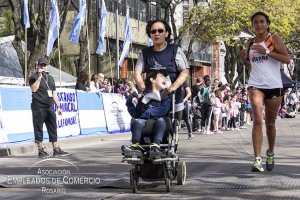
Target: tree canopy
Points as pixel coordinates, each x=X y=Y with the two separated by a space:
x=222 y=20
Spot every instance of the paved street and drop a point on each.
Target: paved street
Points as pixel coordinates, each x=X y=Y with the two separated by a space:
x=218 y=167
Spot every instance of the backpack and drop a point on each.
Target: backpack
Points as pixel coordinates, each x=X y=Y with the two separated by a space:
x=207 y=97
x=195 y=90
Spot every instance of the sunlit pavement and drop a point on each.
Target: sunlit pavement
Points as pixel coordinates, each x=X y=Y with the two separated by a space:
x=218 y=167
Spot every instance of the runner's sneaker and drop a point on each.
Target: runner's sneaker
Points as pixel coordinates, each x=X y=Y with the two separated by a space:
x=270 y=161
x=257 y=166
x=43 y=153
x=58 y=152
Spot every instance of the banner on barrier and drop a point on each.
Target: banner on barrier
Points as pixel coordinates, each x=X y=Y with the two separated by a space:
x=68 y=122
x=91 y=113
x=3 y=136
x=116 y=114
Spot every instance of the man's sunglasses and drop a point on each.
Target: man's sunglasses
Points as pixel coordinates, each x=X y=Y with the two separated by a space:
x=159 y=30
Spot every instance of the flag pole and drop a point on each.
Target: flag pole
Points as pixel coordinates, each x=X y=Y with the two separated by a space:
x=133 y=67
x=109 y=55
x=117 y=39
x=88 y=44
x=25 y=74
x=59 y=61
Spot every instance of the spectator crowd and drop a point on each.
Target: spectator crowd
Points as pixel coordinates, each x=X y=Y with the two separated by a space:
x=215 y=107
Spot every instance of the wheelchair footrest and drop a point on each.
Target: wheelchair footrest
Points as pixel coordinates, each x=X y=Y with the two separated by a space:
x=133 y=160
x=133 y=154
x=172 y=157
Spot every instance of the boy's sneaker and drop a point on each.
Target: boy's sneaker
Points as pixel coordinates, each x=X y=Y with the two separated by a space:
x=134 y=150
x=58 y=152
x=43 y=153
x=270 y=161
x=136 y=146
x=156 y=152
x=257 y=166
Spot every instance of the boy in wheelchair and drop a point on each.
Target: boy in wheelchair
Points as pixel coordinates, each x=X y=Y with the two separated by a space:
x=155 y=104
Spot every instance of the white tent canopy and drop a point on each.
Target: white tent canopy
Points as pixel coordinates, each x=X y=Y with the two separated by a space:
x=11 y=72
x=243 y=35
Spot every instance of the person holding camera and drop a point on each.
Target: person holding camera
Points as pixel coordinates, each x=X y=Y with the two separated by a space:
x=43 y=89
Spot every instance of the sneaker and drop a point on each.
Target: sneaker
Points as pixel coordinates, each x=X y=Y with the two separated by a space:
x=134 y=150
x=191 y=136
x=58 y=152
x=136 y=147
x=270 y=161
x=132 y=147
x=156 y=152
x=154 y=147
x=257 y=166
x=209 y=133
x=43 y=153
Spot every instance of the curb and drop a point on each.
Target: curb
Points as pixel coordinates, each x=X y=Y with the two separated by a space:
x=68 y=143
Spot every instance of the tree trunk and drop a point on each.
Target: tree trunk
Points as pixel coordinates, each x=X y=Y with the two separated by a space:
x=37 y=34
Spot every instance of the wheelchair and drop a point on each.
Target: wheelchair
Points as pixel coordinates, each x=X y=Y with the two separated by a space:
x=165 y=168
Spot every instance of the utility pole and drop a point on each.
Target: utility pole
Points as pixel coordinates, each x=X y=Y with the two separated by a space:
x=117 y=39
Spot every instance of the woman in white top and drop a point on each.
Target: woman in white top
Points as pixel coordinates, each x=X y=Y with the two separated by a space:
x=264 y=55
x=94 y=84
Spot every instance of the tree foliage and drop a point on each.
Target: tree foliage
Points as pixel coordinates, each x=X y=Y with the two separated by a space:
x=225 y=19
x=38 y=31
x=7 y=25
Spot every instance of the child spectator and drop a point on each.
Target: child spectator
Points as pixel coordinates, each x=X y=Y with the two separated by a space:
x=217 y=111
x=243 y=111
x=233 y=112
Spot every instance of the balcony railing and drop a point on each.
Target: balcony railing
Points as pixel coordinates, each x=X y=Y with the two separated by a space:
x=201 y=57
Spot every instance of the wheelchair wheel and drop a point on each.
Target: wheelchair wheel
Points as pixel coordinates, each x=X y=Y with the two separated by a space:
x=174 y=170
x=181 y=173
x=133 y=181
x=168 y=183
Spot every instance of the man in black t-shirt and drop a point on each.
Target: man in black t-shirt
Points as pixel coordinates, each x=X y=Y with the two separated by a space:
x=196 y=87
x=43 y=96
x=195 y=90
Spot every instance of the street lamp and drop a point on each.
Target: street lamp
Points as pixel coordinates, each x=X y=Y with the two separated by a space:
x=243 y=37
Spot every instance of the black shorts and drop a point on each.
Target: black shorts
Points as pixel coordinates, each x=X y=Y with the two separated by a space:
x=269 y=93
